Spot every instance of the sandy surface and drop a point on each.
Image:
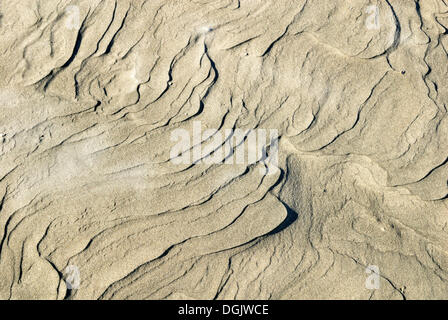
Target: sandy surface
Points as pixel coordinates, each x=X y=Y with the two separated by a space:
x=93 y=94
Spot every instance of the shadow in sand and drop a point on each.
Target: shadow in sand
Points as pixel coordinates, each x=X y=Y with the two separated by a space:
x=291 y=216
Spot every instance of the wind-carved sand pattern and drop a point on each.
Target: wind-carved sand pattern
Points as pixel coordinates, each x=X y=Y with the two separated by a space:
x=92 y=205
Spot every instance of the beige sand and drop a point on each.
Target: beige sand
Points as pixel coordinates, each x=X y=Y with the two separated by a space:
x=93 y=207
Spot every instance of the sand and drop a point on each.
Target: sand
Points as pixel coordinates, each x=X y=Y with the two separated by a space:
x=117 y=126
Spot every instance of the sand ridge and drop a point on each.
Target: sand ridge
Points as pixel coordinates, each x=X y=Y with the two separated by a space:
x=92 y=205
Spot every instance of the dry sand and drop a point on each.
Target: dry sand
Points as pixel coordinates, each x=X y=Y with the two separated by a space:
x=93 y=207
